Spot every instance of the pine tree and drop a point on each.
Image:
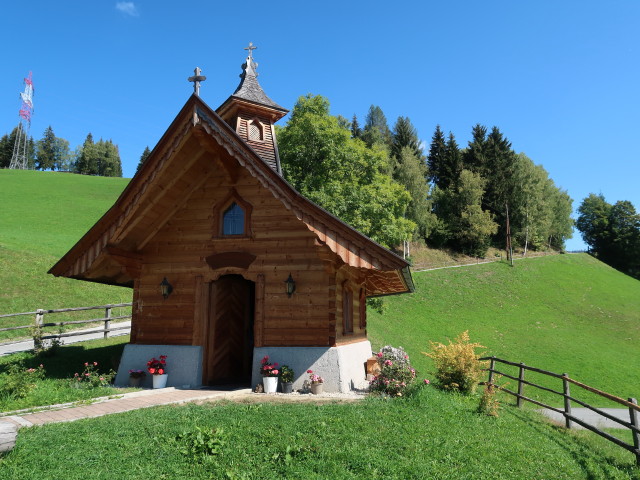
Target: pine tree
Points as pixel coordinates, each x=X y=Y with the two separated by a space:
x=405 y=135
x=474 y=157
x=143 y=158
x=85 y=163
x=435 y=159
x=6 y=148
x=356 y=131
x=451 y=166
x=376 y=129
x=46 y=150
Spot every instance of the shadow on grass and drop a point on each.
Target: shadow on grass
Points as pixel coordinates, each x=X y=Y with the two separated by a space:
x=581 y=449
x=69 y=359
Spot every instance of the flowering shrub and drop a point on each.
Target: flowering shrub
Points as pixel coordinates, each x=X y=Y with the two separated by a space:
x=268 y=369
x=19 y=381
x=458 y=366
x=137 y=373
x=91 y=377
x=157 y=367
x=314 y=378
x=396 y=372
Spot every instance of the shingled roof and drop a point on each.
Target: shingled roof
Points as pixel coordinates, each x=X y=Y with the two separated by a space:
x=249 y=89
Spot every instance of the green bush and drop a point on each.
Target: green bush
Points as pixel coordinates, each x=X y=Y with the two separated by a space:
x=19 y=380
x=458 y=366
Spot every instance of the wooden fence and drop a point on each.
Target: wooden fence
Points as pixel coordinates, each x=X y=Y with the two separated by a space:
x=631 y=403
x=39 y=323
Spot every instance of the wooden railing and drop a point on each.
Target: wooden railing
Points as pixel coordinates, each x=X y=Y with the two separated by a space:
x=38 y=323
x=631 y=403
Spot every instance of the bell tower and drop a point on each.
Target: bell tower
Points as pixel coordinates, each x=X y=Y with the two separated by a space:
x=252 y=114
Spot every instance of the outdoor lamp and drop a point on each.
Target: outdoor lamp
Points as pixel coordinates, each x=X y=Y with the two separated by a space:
x=165 y=288
x=291 y=285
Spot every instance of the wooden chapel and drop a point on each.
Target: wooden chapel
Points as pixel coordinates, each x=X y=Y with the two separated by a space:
x=248 y=266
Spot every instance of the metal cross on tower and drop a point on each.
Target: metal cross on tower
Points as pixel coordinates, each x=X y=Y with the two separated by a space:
x=251 y=48
x=196 y=79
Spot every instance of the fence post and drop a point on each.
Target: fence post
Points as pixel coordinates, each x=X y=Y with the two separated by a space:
x=107 y=322
x=520 y=385
x=633 y=415
x=37 y=330
x=492 y=365
x=567 y=402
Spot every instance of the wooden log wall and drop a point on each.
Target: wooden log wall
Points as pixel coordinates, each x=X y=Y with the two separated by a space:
x=282 y=245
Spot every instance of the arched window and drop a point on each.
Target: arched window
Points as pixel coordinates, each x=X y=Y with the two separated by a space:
x=232 y=217
x=233 y=220
x=255 y=131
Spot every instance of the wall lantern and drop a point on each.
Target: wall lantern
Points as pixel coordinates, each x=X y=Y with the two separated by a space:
x=165 y=288
x=291 y=286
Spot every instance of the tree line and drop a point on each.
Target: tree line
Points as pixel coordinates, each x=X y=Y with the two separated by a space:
x=612 y=232
x=53 y=153
x=382 y=182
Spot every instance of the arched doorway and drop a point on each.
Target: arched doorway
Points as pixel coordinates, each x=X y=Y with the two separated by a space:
x=229 y=353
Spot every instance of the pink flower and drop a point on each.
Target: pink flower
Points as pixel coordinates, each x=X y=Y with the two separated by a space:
x=388 y=362
x=86 y=364
x=95 y=364
x=379 y=354
x=275 y=372
x=309 y=371
x=426 y=381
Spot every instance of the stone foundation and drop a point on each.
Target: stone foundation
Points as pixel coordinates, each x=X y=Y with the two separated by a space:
x=343 y=368
x=184 y=364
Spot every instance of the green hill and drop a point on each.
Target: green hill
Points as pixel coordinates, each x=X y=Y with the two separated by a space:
x=43 y=215
x=564 y=313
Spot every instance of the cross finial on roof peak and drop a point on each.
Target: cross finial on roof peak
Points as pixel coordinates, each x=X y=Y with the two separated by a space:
x=251 y=48
x=196 y=79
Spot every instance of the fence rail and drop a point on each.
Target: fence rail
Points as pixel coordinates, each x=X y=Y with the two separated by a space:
x=38 y=323
x=633 y=425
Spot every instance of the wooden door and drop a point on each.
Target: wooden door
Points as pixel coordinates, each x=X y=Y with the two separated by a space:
x=230 y=338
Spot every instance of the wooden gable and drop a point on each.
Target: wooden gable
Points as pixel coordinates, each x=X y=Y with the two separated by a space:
x=198 y=148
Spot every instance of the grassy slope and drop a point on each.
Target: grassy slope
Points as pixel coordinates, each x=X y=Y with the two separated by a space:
x=42 y=216
x=433 y=435
x=565 y=313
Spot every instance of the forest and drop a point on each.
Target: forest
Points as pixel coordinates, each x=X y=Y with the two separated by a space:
x=53 y=153
x=382 y=181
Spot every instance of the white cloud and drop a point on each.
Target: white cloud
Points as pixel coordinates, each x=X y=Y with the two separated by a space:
x=128 y=8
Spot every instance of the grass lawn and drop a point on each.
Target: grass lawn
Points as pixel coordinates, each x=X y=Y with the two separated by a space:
x=60 y=368
x=432 y=435
x=563 y=313
x=43 y=215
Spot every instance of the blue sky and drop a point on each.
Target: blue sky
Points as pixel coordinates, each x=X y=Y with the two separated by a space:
x=560 y=79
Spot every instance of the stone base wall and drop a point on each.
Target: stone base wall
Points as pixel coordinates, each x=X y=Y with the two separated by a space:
x=343 y=368
x=184 y=364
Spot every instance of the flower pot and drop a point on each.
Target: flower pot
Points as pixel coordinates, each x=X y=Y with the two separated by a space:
x=316 y=388
x=270 y=384
x=160 y=381
x=134 y=382
x=287 y=387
